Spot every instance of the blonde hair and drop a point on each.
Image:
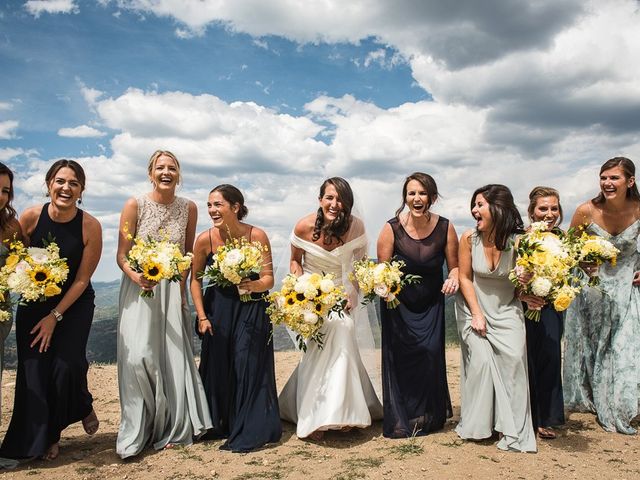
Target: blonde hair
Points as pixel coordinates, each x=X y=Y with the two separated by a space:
x=541 y=192
x=154 y=159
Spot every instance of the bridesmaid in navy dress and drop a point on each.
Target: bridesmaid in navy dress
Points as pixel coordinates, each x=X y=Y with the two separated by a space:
x=237 y=365
x=543 y=337
x=51 y=336
x=414 y=377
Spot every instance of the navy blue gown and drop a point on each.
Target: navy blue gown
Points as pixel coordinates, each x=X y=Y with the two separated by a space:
x=545 y=371
x=414 y=376
x=51 y=387
x=238 y=372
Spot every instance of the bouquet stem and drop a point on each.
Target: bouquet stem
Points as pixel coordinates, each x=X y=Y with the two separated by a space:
x=146 y=293
x=393 y=303
x=245 y=295
x=533 y=315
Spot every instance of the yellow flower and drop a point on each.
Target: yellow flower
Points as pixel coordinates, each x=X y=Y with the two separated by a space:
x=562 y=302
x=12 y=260
x=290 y=299
x=51 y=290
x=152 y=271
x=1 y=297
x=40 y=274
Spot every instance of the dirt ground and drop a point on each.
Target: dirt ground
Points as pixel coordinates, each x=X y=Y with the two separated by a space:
x=582 y=450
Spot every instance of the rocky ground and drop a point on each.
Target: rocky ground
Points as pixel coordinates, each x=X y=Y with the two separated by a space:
x=582 y=450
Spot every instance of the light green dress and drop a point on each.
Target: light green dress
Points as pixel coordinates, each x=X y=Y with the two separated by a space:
x=5 y=327
x=602 y=339
x=494 y=383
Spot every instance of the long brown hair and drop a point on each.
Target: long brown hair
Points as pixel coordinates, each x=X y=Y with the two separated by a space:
x=338 y=227
x=8 y=213
x=629 y=170
x=541 y=192
x=505 y=215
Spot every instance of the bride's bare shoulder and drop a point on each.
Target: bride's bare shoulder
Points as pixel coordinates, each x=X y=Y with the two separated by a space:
x=304 y=227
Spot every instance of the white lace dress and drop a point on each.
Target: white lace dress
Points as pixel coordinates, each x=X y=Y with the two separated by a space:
x=162 y=400
x=330 y=388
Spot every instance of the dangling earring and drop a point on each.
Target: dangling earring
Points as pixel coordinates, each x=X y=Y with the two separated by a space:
x=79 y=200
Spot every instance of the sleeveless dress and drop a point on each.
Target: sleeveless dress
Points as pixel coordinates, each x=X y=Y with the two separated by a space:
x=5 y=327
x=414 y=373
x=237 y=369
x=545 y=371
x=162 y=400
x=494 y=385
x=602 y=339
x=330 y=388
x=51 y=387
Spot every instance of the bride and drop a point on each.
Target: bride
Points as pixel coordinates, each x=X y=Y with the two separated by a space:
x=330 y=388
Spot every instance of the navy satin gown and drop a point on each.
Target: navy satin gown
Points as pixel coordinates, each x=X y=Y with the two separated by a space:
x=414 y=377
x=238 y=372
x=545 y=371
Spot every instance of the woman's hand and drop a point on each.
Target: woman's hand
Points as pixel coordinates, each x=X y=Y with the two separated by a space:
x=533 y=302
x=204 y=326
x=348 y=306
x=143 y=282
x=479 y=324
x=590 y=268
x=44 y=329
x=250 y=285
x=524 y=277
x=450 y=286
x=636 y=279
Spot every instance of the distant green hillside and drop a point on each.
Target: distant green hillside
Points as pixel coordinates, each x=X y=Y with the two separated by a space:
x=103 y=338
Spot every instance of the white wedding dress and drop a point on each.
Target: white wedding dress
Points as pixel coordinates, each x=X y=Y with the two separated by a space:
x=330 y=388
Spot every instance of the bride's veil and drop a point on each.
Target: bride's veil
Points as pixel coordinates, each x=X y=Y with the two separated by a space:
x=366 y=318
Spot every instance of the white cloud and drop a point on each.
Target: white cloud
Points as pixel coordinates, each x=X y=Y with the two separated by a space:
x=7 y=129
x=81 y=131
x=38 y=7
x=4 y=106
x=10 y=153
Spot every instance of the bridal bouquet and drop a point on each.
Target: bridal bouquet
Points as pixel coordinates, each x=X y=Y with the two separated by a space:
x=233 y=261
x=384 y=279
x=157 y=260
x=32 y=272
x=594 y=249
x=304 y=303
x=547 y=257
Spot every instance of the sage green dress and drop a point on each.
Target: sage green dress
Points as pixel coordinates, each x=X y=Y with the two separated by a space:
x=5 y=327
x=602 y=339
x=494 y=383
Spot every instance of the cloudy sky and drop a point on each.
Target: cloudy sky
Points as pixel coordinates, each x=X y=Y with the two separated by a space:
x=276 y=95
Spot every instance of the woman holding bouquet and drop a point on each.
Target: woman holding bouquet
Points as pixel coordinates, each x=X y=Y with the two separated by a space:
x=236 y=366
x=415 y=391
x=51 y=336
x=162 y=400
x=330 y=388
x=9 y=229
x=493 y=375
x=543 y=336
x=601 y=362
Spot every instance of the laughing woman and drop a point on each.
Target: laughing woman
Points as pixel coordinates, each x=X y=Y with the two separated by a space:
x=237 y=366
x=493 y=376
x=51 y=336
x=414 y=373
x=162 y=401
x=9 y=228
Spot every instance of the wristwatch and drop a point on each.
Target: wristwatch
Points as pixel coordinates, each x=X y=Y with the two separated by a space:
x=56 y=314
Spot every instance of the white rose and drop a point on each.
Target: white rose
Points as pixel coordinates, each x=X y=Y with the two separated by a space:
x=326 y=285
x=381 y=290
x=310 y=317
x=234 y=257
x=541 y=286
x=301 y=286
x=39 y=255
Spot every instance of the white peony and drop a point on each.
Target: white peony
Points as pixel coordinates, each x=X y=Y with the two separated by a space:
x=310 y=317
x=39 y=255
x=378 y=272
x=326 y=285
x=233 y=257
x=541 y=286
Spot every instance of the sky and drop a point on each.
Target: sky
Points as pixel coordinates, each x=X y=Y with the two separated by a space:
x=275 y=96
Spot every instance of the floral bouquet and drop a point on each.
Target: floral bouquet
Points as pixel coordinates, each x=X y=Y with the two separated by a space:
x=157 y=260
x=233 y=261
x=304 y=303
x=32 y=272
x=547 y=257
x=593 y=249
x=5 y=304
x=384 y=279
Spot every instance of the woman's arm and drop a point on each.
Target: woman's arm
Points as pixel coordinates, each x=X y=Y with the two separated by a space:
x=452 y=283
x=582 y=216
x=28 y=222
x=189 y=237
x=92 y=235
x=198 y=263
x=465 y=274
x=129 y=220
x=385 y=244
x=265 y=282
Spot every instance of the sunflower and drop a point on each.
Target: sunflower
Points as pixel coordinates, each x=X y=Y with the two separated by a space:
x=40 y=274
x=299 y=297
x=152 y=271
x=318 y=308
x=395 y=289
x=290 y=300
